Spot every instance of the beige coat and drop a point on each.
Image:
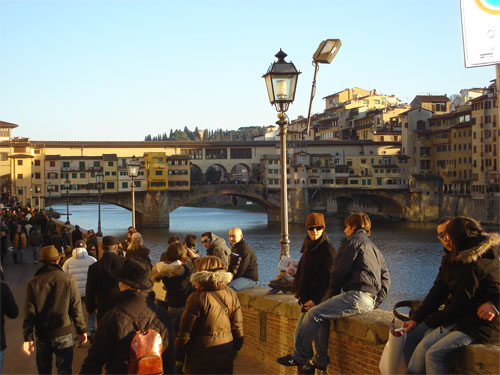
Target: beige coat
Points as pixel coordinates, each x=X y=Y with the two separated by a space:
x=211 y=328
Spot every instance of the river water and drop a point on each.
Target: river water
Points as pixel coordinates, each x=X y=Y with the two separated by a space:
x=411 y=250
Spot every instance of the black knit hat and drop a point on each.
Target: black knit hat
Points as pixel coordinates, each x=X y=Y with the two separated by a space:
x=109 y=241
x=136 y=273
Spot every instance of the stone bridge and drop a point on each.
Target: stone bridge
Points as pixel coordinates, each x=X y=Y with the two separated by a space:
x=153 y=208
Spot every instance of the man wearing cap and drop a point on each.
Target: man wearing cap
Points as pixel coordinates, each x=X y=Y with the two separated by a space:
x=134 y=309
x=52 y=305
x=101 y=286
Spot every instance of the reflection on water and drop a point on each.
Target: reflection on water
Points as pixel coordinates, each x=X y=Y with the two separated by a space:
x=411 y=250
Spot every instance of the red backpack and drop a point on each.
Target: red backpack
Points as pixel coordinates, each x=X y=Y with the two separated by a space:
x=146 y=349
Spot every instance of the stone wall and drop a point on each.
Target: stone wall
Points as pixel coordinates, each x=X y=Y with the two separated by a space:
x=486 y=210
x=356 y=343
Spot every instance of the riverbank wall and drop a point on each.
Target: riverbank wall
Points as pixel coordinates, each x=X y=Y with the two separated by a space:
x=485 y=210
x=356 y=343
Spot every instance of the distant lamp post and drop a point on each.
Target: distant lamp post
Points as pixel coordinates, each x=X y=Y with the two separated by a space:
x=325 y=54
x=99 y=178
x=133 y=171
x=281 y=82
x=67 y=186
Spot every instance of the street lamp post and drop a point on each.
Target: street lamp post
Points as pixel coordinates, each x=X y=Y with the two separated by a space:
x=99 y=181
x=133 y=171
x=281 y=82
x=326 y=52
x=67 y=186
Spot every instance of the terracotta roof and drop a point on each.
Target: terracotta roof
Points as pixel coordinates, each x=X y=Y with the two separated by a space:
x=107 y=157
x=432 y=98
x=179 y=157
x=4 y=124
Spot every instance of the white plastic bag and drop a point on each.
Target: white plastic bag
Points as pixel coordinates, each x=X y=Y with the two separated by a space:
x=392 y=360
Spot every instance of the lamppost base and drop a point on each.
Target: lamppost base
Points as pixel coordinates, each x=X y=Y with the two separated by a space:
x=67 y=222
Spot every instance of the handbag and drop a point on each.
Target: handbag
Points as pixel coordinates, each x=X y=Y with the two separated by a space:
x=392 y=360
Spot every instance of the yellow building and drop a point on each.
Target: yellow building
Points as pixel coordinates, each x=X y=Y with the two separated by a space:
x=156 y=170
x=452 y=150
x=179 y=172
x=485 y=145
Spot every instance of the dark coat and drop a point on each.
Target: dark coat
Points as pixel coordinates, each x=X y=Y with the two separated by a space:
x=211 y=326
x=75 y=236
x=359 y=265
x=462 y=285
x=8 y=307
x=219 y=248
x=244 y=264
x=111 y=346
x=314 y=269
x=177 y=283
x=52 y=305
x=142 y=253
x=101 y=286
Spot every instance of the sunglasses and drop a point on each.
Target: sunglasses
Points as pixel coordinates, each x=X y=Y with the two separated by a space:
x=205 y=241
x=317 y=227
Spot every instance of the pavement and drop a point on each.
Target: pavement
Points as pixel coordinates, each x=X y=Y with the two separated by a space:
x=16 y=362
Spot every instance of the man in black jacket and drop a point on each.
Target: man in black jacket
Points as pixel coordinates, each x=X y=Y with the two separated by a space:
x=134 y=310
x=358 y=284
x=101 y=286
x=242 y=263
x=52 y=306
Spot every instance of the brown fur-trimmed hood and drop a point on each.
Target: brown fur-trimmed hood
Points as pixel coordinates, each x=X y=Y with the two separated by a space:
x=473 y=254
x=211 y=280
x=160 y=271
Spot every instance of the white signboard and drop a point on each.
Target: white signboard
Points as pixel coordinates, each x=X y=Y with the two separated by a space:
x=481 y=32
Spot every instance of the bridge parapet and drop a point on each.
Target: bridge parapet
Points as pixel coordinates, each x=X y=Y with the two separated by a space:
x=356 y=343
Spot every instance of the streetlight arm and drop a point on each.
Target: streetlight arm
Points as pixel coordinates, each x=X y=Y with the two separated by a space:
x=313 y=92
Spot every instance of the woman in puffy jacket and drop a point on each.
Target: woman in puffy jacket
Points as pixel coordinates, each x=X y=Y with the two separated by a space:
x=473 y=281
x=211 y=327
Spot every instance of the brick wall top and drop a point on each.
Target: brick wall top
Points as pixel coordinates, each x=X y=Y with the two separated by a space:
x=371 y=328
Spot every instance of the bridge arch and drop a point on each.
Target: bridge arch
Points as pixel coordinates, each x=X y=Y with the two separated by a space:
x=196 y=175
x=215 y=174
x=241 y=172
x=374 y=204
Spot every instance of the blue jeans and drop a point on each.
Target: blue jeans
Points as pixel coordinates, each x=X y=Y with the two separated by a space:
x=431 y=354
x=318 y=319
x=413 y=338
x=242 y=283
x=19 y=254
x=36 y=253
x=2 y=352
x=61 y=347
x=320 y=341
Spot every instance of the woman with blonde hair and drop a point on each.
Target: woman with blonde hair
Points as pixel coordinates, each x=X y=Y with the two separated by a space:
x=137 y=249
x=211 y=327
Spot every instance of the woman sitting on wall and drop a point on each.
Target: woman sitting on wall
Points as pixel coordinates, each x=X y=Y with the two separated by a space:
x=471 y=280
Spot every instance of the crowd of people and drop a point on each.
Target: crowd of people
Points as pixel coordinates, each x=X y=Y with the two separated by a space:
x=102 y=291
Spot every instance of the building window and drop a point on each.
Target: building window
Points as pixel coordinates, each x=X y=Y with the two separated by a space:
x=73 y=175
x=82 y=175
x=65 y=164
x=137 y=183
x=20 y=176
x=124 y=185
x=37 y=163
x=110 y=185
x=159 y=173
x=196 y=154
x=241 y=153
x=52 y=163
x=19 y=162
x=216 y=153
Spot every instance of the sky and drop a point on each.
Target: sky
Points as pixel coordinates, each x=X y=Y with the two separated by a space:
x=122 y=69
